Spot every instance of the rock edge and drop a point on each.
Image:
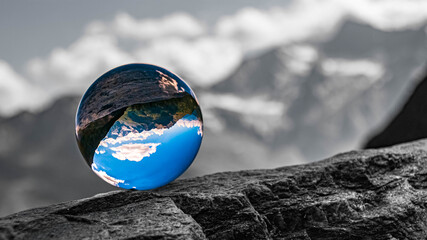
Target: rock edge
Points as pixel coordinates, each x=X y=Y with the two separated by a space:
x=366 y=194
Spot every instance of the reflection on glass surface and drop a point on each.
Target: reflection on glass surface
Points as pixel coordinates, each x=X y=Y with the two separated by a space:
x=139 y=126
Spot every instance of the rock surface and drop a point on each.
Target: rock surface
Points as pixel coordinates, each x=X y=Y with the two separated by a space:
x=368 y=194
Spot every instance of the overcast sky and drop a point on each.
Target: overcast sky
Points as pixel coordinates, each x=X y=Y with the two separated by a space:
x=32 y=28
x=52 y=48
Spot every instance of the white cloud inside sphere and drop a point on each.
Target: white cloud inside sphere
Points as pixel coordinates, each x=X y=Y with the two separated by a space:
x=134 y=151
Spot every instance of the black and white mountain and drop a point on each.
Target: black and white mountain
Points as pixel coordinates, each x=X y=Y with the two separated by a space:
x=301 y=102
x=292 y=104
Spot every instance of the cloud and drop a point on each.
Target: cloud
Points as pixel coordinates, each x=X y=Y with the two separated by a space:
x=134 y=151
x=298 y=59
x=191 y=124
x=75 y=68
x=129 y=137
x=202 y=53
x=388 y=15
x=99 y=152
x=158 y=131
x=16 y=93
x=175 y=25
x=106 y=177
x=206 y=54
x=202 y=61
x=246 y=106
x=344 y=67
x=256 y=29
x=259 y=113
x=12 y=88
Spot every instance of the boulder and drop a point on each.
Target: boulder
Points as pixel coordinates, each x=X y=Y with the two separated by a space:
x=365 y=194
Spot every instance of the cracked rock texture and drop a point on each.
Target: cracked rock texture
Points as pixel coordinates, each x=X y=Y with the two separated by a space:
x=369 y=194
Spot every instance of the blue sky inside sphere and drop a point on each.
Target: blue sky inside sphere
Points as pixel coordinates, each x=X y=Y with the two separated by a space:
x=147 y=159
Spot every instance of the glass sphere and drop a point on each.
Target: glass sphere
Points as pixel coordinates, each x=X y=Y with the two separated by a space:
x=139 y=126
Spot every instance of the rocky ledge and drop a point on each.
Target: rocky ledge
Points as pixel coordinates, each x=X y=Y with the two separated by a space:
x=369 y=194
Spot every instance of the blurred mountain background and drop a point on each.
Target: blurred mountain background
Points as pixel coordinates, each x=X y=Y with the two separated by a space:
x=279 y=83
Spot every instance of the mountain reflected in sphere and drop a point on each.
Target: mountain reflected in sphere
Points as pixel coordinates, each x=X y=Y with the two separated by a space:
x=139 y=126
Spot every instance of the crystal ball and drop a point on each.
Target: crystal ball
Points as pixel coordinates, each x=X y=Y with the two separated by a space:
x=139 y=126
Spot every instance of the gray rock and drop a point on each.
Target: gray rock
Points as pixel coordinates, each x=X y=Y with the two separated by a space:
x=369 y=194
